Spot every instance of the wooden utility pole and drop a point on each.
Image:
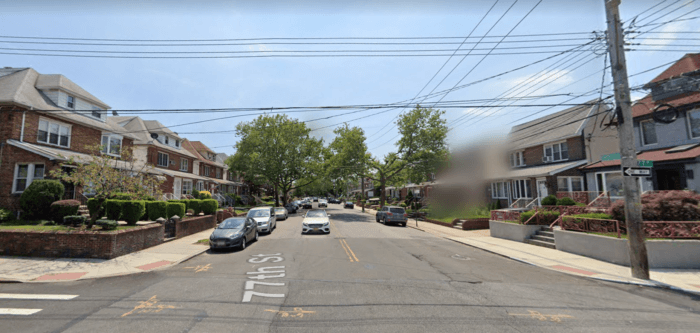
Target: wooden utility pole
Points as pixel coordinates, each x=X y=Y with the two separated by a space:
x=633 y=206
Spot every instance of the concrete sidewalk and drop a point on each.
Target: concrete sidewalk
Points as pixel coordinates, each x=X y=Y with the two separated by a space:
x=27 y=269
x=685 y=279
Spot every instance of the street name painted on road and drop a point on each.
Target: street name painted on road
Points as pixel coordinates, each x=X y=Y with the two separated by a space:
x=264 y=273
x=637 y=172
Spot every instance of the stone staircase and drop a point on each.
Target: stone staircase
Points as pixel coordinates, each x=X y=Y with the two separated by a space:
x=544 y=237
x=458 y=225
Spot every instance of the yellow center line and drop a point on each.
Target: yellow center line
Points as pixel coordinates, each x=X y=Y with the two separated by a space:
x=346 y=250
x=349 y=249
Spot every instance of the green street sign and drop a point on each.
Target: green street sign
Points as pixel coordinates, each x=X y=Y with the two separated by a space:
x=645 y=164
x=611 y=157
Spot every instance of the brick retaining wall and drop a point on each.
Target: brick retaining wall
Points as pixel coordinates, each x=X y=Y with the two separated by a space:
x=79 y=244
x=194 y=225
x=474 y=224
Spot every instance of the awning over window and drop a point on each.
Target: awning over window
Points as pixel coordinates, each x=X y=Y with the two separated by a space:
x=539 y=171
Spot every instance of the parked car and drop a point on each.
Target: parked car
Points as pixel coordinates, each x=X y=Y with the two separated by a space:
x=315 y=199
x=316 y=221
x=281 y=213
x=349 y=204
x=322 y=203
x=291 y=208
x=264 y=217
x=392 y=215
x=233 y=232
x=307 y=205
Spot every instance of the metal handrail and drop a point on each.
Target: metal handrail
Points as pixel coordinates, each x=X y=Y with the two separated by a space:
x=533 y=203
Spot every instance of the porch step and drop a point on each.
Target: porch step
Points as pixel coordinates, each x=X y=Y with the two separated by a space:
x=543 y=237
x=547 y=229
x=540 y=243
x=458 y=225
x=546 y=233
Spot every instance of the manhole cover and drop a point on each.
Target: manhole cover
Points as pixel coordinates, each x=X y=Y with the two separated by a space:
x=459 y=257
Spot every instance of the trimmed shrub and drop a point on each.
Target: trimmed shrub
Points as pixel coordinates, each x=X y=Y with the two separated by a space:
x=664 y=206
x=203 y=195
x=156 y=209
x=37 y=198
x=187 y=203
x=74 y=220
x=113 y=209
x=546 y=218
x=5 y=215
x=174 y=208
x=209 y=206
x=195 y=193
x=107 y=224
x=62 y=208
x=601 y=216
x=123 y=196
x=195 y=206
x=565 y=201
x=97 y=209
x=549 y=200
x=132 y=211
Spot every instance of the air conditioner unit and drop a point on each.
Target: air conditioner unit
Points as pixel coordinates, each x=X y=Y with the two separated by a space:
x=172 y=162
x=546 y=159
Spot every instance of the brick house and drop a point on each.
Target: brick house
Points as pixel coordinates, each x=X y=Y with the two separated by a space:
x=46 y=120
x=207 y=167
x=545 y=153
x=674 y=146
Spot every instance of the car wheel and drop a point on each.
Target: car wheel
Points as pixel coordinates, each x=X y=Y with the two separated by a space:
x=384 y=221
x=243 y=244
x=256 y=235
x=376 y=218
x=403 y=224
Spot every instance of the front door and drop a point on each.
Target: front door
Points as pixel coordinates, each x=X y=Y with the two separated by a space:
x=177 y=188
x=541 y=189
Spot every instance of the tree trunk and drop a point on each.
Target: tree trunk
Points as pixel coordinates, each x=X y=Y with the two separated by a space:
x=362 y=194
x=382 y=185
x=277 y=197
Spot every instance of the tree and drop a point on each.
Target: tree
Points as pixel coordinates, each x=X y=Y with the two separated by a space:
x=105 y=175
x=348 y=156
x=278 y=150
x=421 y=149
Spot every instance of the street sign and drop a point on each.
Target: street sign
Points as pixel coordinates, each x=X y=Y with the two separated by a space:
x=611 y=157
x=645 y=164
x=636 y=172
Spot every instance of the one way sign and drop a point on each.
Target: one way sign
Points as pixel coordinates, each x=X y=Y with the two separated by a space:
x=637 y=172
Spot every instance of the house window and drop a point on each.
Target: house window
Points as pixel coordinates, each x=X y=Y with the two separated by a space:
x=499 y=190
x=610 y=182
x=516 y=159
x=177 y=143
x=70 y=102
x=96 y=112
x=694 y=123
x=206 y=170
x=521 y=188
x=184 y=164
x=218 y=173
x=569 y=184
x=556 y=152
x=187 y=187
x=53 y=133
x=200 y=186
x=162 y=159
x=112 y=144
x=166 y=140
x=648 y=132
x=25 y=174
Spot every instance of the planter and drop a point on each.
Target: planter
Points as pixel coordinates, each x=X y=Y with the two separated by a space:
x=512 y=231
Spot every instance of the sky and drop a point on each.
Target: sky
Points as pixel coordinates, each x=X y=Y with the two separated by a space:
x=269 y=82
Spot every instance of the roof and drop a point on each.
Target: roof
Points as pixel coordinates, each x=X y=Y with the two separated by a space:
x=19 y=87
x=659 y=155
x=688 y=63
x=58 y=81
x=155 y=126
x=56 y=154
x=553 y=127
x=201 y=147
x=181 y=174
x=188 y=145
x=135 y=126
x=539 y=171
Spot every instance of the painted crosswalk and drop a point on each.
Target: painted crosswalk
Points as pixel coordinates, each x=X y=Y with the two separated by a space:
x=28 y=312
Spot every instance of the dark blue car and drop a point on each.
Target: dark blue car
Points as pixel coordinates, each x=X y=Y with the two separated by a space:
x=234 y=232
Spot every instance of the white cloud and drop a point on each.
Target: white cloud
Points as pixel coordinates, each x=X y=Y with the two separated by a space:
x=665 y=38
x=542 y=84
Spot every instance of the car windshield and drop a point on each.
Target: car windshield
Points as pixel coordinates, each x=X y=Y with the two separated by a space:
x=279 y=210
x=232 y=224
x=259 y=213
x=316 y=213
x=397 y=210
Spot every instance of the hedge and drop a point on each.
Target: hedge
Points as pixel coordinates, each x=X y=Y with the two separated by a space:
x=113 y=209
x=196 y=206
x=565 y=201
x=5 y=215
x=174 y=208
x=96 y=209
x=156 y=209
x=122 y=196
x=549 y=200
x=209 y=206
x=203 y=195
x=600 y=216
x=107 y=224
x=132 y=210
x=37 y=198
x=546 y=218
x=74 y=220
x=62 y=208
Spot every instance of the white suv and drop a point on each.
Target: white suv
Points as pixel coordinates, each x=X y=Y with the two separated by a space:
x=322 y=203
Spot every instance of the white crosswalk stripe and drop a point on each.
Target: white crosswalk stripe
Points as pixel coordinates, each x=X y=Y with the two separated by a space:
x=28 y=312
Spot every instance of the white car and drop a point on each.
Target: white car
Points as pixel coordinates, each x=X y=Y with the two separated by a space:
x=322 y=203
x=316 y=220
x=265 y=218
x=282 y=213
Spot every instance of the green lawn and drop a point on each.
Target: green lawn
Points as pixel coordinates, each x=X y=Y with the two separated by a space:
x=624 y=236
x=49 y=226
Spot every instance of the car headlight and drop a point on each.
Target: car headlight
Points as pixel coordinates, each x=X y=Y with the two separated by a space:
x=326 y=224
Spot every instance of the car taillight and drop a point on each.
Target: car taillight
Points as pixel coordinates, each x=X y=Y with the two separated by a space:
x=390 y=214
x=405 y=215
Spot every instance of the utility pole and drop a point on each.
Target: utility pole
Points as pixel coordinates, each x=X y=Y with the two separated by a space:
x=362 y=195
x=633 y=206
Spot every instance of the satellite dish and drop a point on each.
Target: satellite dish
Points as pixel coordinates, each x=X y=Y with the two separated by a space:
x=154 y=135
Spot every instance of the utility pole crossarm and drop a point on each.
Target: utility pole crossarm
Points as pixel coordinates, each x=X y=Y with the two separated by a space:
x=633 y=207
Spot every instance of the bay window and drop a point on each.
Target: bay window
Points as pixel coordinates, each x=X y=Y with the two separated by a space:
x=499 y=190
x=570 y=184
x=53 y=133
x=25 y=174
x=556 y=152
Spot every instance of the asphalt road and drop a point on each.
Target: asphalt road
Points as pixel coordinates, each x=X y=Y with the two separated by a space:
x=363 y=277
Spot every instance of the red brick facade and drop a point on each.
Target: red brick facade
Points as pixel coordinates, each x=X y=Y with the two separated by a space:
x=194 y=225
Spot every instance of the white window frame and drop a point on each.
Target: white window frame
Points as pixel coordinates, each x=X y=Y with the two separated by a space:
x=31 y=167
x=218 y=173
x=499 y=190
x=206 y=170
x=108 y=147
x=551 y=147
x=605 y=186
x=96 y=110
x=517 y=191
x=60 y=125
x=167 y=159
x=70 y=102
x=569 y=183
x=200 y=185
x=184 y=164
x=641 y=133
x=187 y=186
x=688 y=124
x=517 y=159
